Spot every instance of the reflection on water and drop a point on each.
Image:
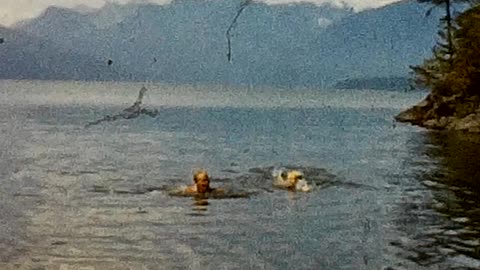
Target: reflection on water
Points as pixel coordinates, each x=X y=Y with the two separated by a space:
x=440 y=219
x=16 y=193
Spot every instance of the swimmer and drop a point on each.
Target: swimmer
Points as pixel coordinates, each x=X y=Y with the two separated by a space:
x=201 y=189
x=201 y=184
x=292 y=180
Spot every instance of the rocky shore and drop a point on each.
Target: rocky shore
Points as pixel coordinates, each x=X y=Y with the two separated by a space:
x=455 y=112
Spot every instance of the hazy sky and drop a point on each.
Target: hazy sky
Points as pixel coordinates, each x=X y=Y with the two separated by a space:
x=14 y=10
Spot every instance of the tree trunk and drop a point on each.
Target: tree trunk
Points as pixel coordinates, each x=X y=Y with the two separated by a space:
x=448 y=18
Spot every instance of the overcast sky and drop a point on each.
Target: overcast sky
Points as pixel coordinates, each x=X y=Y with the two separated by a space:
x=14 y=10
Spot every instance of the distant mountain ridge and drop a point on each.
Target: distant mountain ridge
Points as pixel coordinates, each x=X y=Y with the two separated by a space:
x=377 y=83
x=24 y=56
x=184 y=42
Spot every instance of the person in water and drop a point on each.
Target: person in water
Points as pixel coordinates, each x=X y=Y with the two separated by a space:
x=201 y=189
x=292 y=180
x=201 y=184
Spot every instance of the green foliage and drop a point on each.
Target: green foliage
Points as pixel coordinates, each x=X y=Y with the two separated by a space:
x=457 y=73
x=466 y=63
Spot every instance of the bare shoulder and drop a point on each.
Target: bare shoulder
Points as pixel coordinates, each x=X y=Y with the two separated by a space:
x=190 y=190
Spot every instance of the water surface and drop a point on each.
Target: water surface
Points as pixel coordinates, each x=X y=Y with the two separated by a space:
x=387 y=196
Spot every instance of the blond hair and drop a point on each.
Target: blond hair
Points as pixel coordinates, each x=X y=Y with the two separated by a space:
x=198 y=173
x=294 y=176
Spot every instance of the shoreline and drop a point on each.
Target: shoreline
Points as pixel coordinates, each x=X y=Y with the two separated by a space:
x=450 y=113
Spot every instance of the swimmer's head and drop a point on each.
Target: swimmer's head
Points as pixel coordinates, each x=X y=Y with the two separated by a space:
x=294 y=176
x=202 y=181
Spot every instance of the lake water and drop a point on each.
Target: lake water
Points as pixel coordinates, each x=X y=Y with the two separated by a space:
x=386 y=196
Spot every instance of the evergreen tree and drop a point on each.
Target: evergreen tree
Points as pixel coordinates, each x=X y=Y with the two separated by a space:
x=448 y=19
x=465 y=74
x=454 y=66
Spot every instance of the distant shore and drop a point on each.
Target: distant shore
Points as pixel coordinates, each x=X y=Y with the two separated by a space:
x=435 y=112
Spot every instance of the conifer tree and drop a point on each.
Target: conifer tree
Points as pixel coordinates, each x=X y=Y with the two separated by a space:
x=453 y=68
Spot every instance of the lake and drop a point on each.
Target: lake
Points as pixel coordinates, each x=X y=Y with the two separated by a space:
x=386 y=195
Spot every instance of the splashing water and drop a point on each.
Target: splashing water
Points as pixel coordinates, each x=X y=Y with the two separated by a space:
x=280 y=176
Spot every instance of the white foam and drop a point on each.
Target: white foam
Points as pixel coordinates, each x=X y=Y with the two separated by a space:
x=279 y=177
x=302 y=185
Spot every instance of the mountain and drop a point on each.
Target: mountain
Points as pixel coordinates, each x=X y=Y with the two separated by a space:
x=287 y=45
x=381 y=42
x=27 y=57
x=185 y=40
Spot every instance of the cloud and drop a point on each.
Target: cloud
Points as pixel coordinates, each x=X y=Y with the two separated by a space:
x=324 y=22
x=12 y=11
x=356 y=4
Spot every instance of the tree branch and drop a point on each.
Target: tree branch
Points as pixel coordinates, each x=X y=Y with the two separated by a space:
x=131 y=112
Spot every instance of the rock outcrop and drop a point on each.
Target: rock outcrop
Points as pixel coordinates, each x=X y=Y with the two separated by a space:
x=455 y=112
